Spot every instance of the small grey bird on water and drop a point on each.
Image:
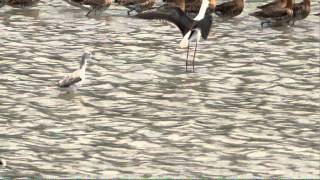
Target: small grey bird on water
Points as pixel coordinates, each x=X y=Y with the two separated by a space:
x=73 y=81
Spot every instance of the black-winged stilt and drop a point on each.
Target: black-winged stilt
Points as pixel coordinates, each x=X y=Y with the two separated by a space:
x=73 y=81
x=191 y=29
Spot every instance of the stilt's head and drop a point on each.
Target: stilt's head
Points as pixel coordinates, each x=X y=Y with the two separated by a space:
x=85 y=57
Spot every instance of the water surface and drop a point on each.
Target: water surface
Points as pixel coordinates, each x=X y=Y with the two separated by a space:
x=251 y=109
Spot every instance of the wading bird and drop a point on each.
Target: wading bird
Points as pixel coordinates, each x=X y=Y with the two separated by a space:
x=275 y=16
x=136 y=5
x=73 y=81
x=191 y=29
x=229 y=9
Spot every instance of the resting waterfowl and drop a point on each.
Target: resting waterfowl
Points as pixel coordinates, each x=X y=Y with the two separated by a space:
x=136 y=5
x=274 y=4
x=191 y=29
x=21 y=3
x=190 y=6
x=97 y=5
x=229 y=9
x=73 y=81
x=275 y=16
x=301 y=10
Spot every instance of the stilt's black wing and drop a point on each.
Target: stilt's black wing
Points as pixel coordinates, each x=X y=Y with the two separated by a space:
x=205 y=25
x=172 y=14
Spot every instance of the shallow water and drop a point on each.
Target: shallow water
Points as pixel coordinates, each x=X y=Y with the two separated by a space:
x=251 y=109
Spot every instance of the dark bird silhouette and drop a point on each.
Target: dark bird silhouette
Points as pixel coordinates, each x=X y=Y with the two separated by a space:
x=136 y=5
x=275 y=16
x=229 y=9
x=191 y=29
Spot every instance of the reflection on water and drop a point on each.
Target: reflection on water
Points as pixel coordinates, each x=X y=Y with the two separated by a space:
x=251 y=109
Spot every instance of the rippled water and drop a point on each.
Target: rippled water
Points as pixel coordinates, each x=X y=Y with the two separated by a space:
x=251 y=109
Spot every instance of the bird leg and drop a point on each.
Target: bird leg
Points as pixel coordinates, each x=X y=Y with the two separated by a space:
x=187 y=58
x=194 y=55
x=129 y=11
x=90 y=10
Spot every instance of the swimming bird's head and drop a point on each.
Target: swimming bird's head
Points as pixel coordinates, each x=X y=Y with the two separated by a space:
x=84 y=58
x=87 y=55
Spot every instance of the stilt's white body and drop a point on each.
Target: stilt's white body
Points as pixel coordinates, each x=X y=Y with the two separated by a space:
x=184 y=43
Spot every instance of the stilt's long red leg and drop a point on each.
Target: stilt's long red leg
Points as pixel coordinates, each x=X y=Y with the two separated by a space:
x=194 y=55
x=187 y=58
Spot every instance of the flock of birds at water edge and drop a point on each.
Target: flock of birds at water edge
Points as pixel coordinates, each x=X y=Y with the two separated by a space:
x=192 y=17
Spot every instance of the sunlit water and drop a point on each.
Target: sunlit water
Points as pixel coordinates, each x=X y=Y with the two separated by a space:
x=251 y=109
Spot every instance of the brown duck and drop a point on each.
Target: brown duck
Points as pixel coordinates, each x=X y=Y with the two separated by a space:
x=136 y=5
x=274 y=4
x=229 y=9
x=275 y=16
x=301 y=10
x=190 y=6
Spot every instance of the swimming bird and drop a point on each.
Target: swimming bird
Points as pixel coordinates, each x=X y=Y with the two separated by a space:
x=136 y=5
x=275 y=16
x=274 y=4
x=97 y=5
x=73 y=81
x=21 y=3
x=301 y=10
x=191 y=29
x=229 y=9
